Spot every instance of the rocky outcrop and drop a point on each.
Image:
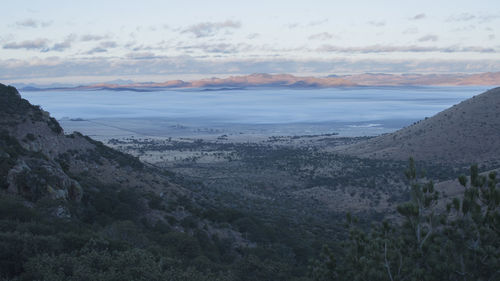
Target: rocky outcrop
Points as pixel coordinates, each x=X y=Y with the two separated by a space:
x=36 y=178
x=31 y=142
x=37 y=159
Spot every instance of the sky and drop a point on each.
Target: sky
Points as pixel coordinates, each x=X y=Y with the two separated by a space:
x=96 y=41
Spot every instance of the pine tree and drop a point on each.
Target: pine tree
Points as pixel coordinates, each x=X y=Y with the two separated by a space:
x=459 y=243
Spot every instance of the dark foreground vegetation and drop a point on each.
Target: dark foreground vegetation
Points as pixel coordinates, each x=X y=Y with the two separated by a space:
x=461 y=243
x=103 y=240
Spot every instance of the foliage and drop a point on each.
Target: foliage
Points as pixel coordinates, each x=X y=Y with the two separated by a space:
x=461 y=243
x=106 y=239
x=10 y=150
x=122 y=159
x=91 y=264
x=106 y=233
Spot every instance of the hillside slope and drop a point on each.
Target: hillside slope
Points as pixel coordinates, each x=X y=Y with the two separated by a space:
x=465 y=133
x=39 y=160
x=69 y=201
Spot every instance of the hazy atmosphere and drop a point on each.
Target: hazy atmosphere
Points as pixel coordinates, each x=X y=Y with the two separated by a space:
x=252 y=112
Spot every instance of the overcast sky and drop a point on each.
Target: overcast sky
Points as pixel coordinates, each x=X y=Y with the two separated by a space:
x=90 y=41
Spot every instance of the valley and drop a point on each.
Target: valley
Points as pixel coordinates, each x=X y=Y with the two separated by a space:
x=299 y=172
x=205 y=205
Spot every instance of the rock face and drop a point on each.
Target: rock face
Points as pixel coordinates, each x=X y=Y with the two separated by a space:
x=31 y=142
x=38 y=160
x=35 y=178
x=465 y=133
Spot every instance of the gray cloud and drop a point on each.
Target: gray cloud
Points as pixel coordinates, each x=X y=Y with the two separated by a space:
x=428 y=38
x=142 y=56
x=221 y=48
x=37 y=44
x=207 y=29
x=411 y=30
x=143 y=48
x=45 y=23
x=108 y=44
x=253 y=35
x=33 y=23
x=404 y=49
x=42 y=44
x=130 y=44
x=488 y=18
x=377 y=23
x=419 y=16
x=102 y=47
x=318 y=22
x=321 y=36
x=93 y=37
x=462 y=17
x=66 y=44
x=470 y=49
x=467 y=28
x=27 y=23
x=309 y=24
x=465 y=17
x=96 y=50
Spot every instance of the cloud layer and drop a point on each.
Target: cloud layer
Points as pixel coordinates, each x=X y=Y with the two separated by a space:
x=148 y=64
x=305 y=41
x=419 y=16
x=407 y=49
x=206 y=29
x=36 y=44
x=33 y=23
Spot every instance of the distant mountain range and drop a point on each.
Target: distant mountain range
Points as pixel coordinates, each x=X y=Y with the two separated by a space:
x=290 y=81
x=381 y=79
x=253 y=80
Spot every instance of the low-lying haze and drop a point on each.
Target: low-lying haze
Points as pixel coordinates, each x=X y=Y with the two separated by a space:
x=349 y=111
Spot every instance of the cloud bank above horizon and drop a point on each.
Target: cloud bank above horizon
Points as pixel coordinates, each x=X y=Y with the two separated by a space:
x=65 y=41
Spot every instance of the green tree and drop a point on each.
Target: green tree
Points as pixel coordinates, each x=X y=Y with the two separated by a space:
x=459 y=243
